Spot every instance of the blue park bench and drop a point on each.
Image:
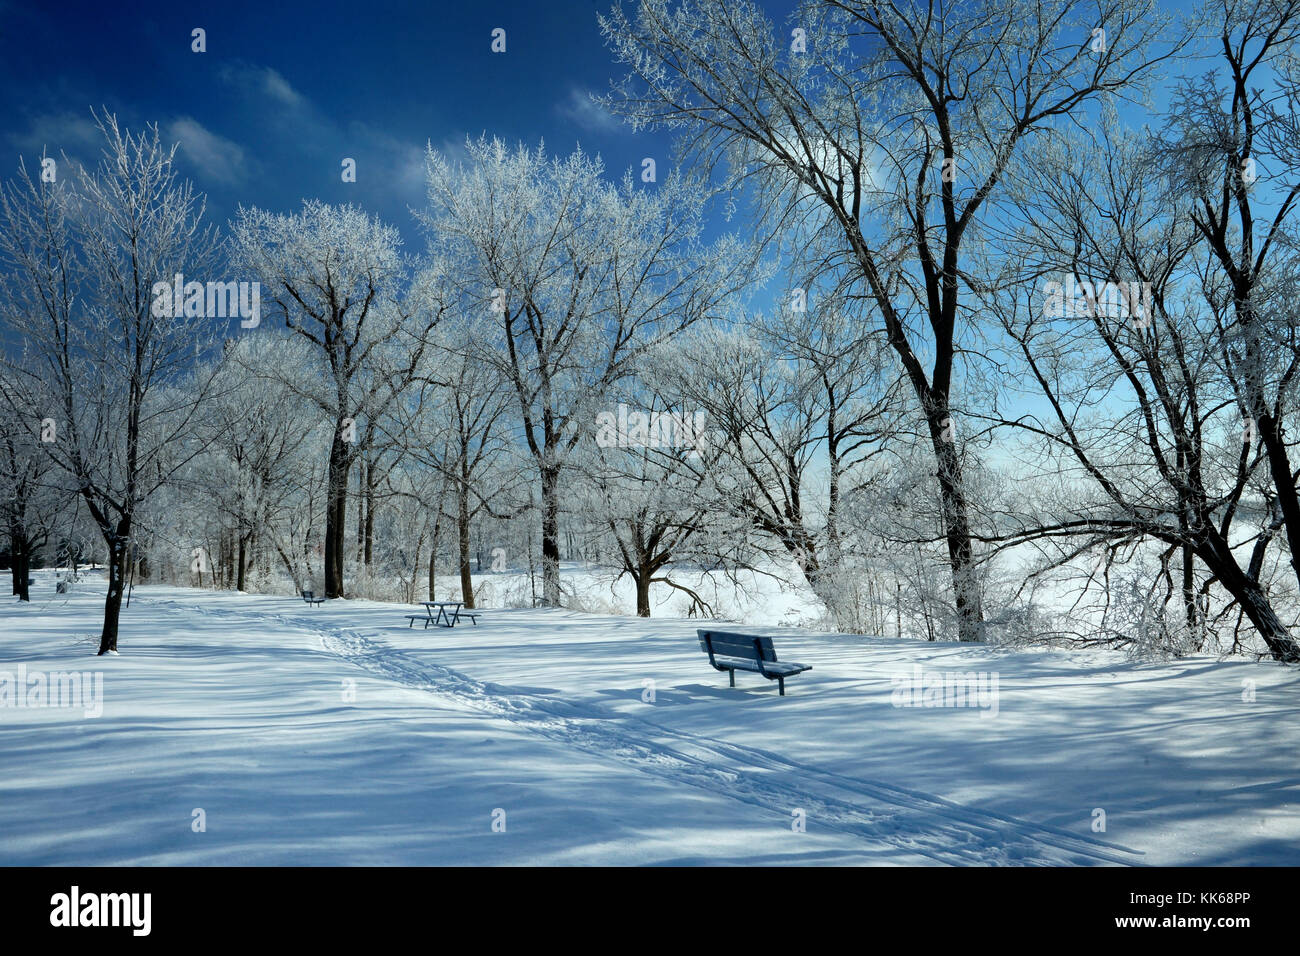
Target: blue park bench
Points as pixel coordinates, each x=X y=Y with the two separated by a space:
x=729 y=651
x=310 y=598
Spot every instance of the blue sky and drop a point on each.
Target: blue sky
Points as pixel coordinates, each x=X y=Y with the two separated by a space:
x=286 y=91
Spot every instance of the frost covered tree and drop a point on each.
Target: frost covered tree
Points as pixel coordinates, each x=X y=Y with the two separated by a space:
x=797 y=405
x=885 y=129
x=572 y=279
x=646 y=490
x=1230 y=144
x=33 y=495
x=99 y=358
x=336 y=277
x=255 y=442
x=455 y=423
x=1145 y=427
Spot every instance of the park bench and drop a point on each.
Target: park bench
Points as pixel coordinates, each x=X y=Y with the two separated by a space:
x=310 y=598
x=729 y=651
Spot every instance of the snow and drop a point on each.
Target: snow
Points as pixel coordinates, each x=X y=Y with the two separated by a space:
x=775 y=596
x=338 y=735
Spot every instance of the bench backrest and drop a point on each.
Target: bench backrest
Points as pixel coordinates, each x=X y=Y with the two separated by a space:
x=733 y=644
x=308 y=595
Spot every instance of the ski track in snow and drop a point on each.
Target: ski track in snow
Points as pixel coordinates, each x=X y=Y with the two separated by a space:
x=914 y=822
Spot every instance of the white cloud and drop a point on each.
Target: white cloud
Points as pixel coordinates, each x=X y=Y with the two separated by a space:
x=588 y=114
x=398 y=164
x=74 y=133
x=262 y=81
x=278 y=88
x=213 y=155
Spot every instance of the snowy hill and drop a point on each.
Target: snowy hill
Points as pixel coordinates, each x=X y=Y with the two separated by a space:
x=338 y=735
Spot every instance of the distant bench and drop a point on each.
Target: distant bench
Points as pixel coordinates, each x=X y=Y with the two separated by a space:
x=310 y=598
x=729 y=651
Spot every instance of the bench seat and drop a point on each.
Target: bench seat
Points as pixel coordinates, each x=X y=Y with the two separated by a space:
x=784 y=668
x=731 y=651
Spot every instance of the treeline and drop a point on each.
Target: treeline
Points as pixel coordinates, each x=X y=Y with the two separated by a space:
x=978 y=322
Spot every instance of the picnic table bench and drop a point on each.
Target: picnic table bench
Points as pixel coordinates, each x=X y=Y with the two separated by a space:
x=311 y=598
x=443 y=617
x=730 y=651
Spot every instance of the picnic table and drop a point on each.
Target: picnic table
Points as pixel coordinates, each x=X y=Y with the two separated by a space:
x=448 y=614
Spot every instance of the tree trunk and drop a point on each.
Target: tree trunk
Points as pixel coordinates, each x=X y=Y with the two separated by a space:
x=532 y=569
x=433 y=562
x=834 y=556
x=20 y=549
x=415 y=567
x=370 y=516
x=117 y=559
x=1222 y=563
x=642 y=593
x=1189 y=596
x=336 y=510
x=956 y=525
x=550 y=537
x=242 y=558
x=22 y=560
x=361 y=510
x=1279 y=466
x=462 y=540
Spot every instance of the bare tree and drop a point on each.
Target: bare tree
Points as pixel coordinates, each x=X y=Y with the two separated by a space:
x=795 y=406
x=1144 y=398
x=1229 y=145
x=104 y=359
x=32 y=496
x=579 y=278
x=455 y=423
x=885 y=128
x=337 y=279
x=255 y=439
x=645 y=490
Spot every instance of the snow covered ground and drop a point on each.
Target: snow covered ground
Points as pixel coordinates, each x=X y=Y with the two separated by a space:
x=777 y=596
x=337 y=735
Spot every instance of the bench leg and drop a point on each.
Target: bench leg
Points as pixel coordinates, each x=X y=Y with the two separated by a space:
x=781 y=682
x=732 y=674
